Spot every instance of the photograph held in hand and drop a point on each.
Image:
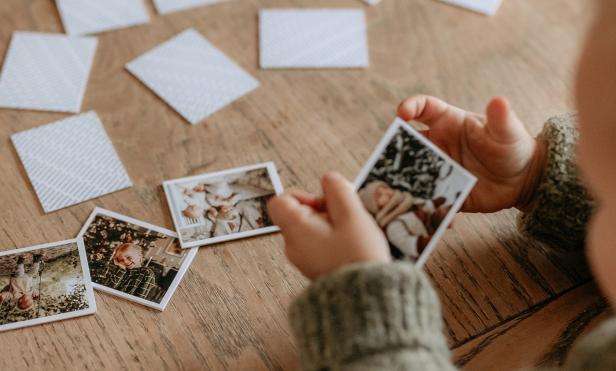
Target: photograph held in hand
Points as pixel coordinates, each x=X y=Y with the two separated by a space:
x=413 y=190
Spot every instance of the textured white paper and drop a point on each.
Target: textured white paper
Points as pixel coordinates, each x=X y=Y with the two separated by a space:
x=313 y=38
x=169 y=6
x=46 y=72
x=70 y=161
x=192 y=76
x=488 y=7
x=372 y=2
x=81 y=17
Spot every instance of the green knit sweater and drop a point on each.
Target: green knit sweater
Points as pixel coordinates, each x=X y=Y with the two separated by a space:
x=387 y=316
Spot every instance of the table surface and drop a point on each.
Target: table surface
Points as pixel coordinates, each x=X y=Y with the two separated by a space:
x=230 y=310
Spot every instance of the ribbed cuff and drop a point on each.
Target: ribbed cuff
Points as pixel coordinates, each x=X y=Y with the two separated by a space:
x=562 y=207
x=366 y=309
x=597 y=351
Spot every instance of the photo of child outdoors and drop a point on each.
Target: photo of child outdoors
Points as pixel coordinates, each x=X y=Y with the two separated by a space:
x=222 y=206
x=42 y=283
x=134 y=260
x=412 y=190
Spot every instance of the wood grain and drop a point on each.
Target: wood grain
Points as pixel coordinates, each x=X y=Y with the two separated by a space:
x=230 y=311
x=542 y=335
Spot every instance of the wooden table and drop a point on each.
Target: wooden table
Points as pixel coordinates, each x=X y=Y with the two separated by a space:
x=507 y=302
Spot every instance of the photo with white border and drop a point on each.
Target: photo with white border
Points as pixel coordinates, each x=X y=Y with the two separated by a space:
x=223 y=206
x=132 y=259
x=44 y=283
x=413 y=191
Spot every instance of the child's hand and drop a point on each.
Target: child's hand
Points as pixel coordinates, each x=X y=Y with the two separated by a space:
x=499 y=151
x=321 y=235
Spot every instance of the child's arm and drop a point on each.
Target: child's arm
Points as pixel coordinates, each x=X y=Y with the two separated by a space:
x=365 y=313
x=561 y=207
x=371 y=316
x=362 y=312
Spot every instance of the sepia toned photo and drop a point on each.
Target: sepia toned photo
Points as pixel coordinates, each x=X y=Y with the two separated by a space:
x=223 y=206
x=44 y=283
x=413 y=190
x=133 y=259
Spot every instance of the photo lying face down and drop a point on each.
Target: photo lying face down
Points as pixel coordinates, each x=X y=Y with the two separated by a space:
x=412 y=190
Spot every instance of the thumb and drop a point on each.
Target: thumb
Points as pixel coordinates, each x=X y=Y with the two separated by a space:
x=502 y=123
x=341 y=199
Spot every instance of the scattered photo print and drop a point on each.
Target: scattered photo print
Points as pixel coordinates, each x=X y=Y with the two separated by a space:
x=44 y=283
x=413 y=190
x=223 y=206
x=133 y=259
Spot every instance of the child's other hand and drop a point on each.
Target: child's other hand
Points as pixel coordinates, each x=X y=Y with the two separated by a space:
x=497 y=149
x=322 y=235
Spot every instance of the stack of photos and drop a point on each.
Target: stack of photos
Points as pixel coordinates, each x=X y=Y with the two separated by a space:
x=223 y=206
x=413 y=190
x=44 y=283
x=133 y=259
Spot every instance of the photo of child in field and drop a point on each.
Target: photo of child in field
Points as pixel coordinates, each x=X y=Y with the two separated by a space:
x=222 y=206
x=411 y=189
x=134 y=260
x=42 y=284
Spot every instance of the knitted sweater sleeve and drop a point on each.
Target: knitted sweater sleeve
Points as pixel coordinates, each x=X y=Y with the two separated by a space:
x=595 y=352
x=370 y=317
x=387 y=316
x=561 y=208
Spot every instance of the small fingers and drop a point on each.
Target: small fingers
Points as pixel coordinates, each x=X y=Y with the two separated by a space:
x=340 y=197
x=502 y=123
x=283 y=210
x=308 y=199
x=293 y=217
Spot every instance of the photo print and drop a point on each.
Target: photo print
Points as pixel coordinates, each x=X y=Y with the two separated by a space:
x=223 y=206
x=132 y=259
x=413 y=190
x=44 y=283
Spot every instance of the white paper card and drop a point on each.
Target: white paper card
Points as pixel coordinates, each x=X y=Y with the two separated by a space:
x=70 y=161
x=170 y=6
x=81 y=17
x=46 y=72
x=192 y=76
x=313 y=38
x=372 y=2
x=488 y=7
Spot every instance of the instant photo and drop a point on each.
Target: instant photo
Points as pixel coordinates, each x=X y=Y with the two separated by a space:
x=413 y=190
x=132 y=259
x=223 y=206
x=44 y=283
